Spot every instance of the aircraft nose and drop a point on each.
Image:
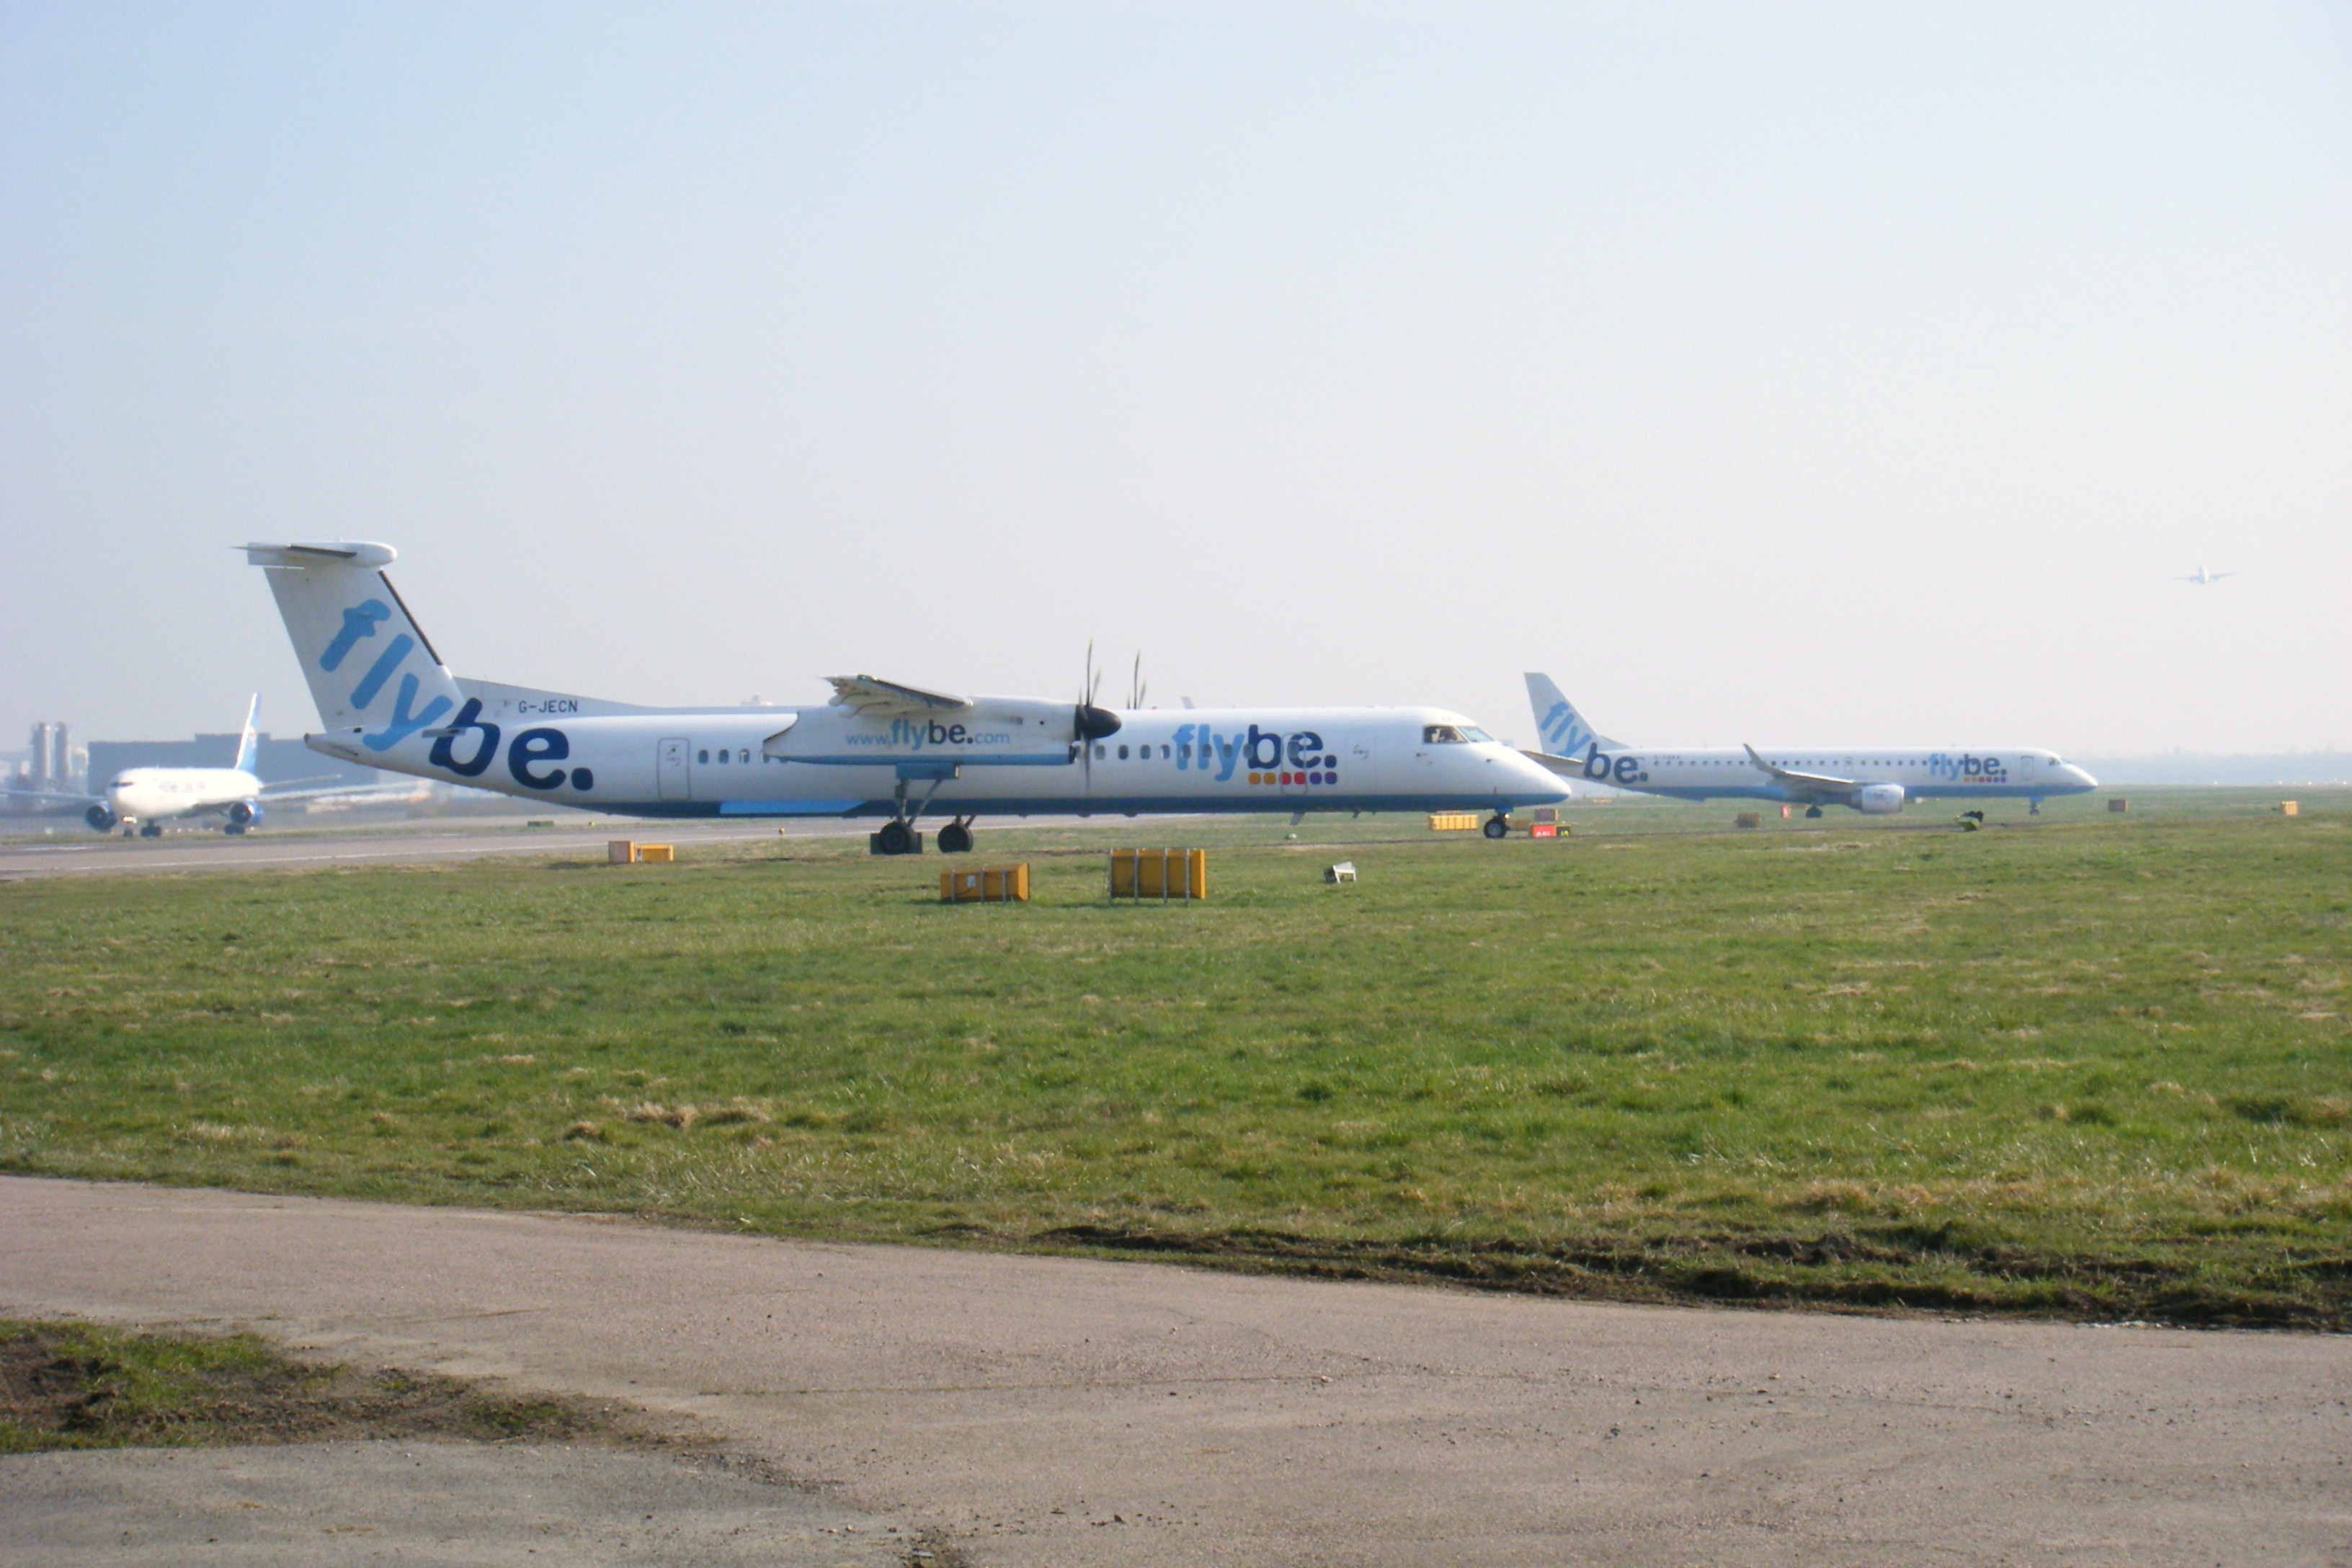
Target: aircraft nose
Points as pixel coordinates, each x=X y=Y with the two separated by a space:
x=1525 y=778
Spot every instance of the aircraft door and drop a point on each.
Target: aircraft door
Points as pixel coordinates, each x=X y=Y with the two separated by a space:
x=672 y=779
x=2028 y=769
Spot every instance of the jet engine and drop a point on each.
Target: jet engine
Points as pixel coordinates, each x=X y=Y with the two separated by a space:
x=1879 y=800
x=100 y=818
x=246 y=814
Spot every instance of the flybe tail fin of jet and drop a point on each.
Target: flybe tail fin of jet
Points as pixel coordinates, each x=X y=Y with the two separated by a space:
x=368 y=667
x=248 y=745
x=1565 y=733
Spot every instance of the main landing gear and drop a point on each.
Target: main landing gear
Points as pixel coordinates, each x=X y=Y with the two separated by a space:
x=151 y=830
x=955 y=838
x=895 y=838
x=1498 y=827
x=1813 y=813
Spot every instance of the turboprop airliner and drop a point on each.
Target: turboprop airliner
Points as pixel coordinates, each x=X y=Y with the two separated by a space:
x=145 y=798
x=1874 y=780
x=879 y=749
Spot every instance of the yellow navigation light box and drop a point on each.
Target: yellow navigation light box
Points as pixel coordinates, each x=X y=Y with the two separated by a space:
x=1163 y=874
x=987 y=885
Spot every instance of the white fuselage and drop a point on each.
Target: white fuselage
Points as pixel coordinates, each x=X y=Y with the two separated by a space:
x=1000 y=757
x=2001 y=772
x=154 y=794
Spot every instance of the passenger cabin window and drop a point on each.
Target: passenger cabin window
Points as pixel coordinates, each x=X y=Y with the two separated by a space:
x=1442 y=735
x=1101 y=751
x=1122 y=754
x=703 y=755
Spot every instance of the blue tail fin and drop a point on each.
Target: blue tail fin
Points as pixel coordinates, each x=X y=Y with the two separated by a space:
x=1564 y=732
x=248 y=745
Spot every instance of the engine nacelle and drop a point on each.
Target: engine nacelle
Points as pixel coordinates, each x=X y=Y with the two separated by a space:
x=246 y=814
x=100 y=818
x=1879 y=800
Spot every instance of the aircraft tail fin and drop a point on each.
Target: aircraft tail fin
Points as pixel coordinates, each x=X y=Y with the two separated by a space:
x=1564 y=730
x=370 y=669
x=248 y=744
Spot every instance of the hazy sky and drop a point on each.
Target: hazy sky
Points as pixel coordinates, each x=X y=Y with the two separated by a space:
x=1793 y=374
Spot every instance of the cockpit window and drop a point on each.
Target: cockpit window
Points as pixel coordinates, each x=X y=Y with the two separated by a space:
x=1472 y=732
x=1442 y=735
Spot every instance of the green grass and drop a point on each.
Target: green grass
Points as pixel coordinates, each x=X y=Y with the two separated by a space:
x=2088 y=1066
x=75 y=1385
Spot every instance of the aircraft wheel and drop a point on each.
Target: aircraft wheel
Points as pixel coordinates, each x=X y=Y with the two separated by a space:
x=955 y=838
x=1813 y=813
x=233 y=829
x=1498 y=827
x=896 y=838
x=152 y=830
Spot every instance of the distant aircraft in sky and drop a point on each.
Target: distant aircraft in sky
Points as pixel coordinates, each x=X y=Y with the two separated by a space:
x=878 y=749
x=1874 y=780
x=145 y=798
x=2202 y=576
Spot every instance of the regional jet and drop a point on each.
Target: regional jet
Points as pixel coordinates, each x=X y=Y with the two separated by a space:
x=1874 y=780
x=2203 y=577
x=879 y=749
x=145 y=798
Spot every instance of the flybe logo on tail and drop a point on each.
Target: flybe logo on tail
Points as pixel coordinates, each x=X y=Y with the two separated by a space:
x=360 y=623
x=1564 y=730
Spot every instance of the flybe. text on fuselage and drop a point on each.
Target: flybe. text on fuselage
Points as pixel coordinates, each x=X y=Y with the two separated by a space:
x=825 y=761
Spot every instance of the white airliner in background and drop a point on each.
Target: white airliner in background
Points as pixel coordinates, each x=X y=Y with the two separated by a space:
x=145 y=798
x=2203 y=577
x=878 y=749
x=1875 y=780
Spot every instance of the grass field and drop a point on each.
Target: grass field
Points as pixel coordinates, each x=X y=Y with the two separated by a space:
x=76 y=1385
x=2087 y=1066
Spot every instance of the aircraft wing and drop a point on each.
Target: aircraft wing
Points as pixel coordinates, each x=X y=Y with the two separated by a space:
x=284 y=789
x=52 y=794
x=1810 y=784
x=868 y=695
x=273 y=794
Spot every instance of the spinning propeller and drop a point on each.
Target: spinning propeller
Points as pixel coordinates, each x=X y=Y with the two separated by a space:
x=1089 y=723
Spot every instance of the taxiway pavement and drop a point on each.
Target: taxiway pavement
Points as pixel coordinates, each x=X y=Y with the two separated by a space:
x=1065 y=1411
x=196 y=850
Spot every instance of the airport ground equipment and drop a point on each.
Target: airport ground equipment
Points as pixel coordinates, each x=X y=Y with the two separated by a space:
x=1345 y=872
x=1167 y=875
x=2118 y=805
x=1546 y=830
x=1452 y=821
x=1747 y=819
x=986 y=885
x=2290 y=808
x=656 y=854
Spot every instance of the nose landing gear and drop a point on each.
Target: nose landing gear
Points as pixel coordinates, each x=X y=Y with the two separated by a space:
x=1498 y=827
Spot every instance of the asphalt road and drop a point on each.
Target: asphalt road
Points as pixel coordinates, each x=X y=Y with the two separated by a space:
x=506 y=1505
x=1059 y=1410
x=201 y=849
